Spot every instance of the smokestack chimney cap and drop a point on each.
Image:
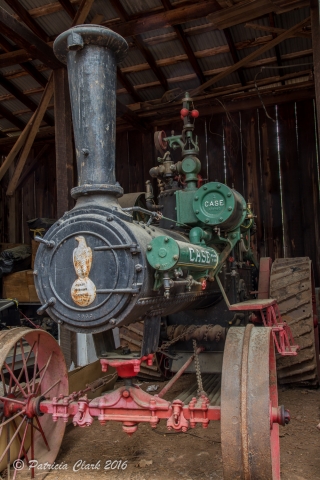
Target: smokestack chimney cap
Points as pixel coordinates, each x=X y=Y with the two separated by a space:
x=77 y=37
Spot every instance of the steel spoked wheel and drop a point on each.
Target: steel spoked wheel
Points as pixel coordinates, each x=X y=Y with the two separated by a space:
x=249 y=406
x=31 y=367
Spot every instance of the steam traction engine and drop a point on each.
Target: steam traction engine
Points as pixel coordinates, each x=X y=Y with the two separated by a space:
x=102 y=266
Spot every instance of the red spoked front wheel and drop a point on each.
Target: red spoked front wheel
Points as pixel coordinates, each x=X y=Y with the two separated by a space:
x=32 y=366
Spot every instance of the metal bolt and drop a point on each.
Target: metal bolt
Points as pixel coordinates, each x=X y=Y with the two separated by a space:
x=218 y=186
x=229 y=194
x=229 y=208
x=205 y=188
x=35 y=272
x=109 y=218
x=197 y=211
x=138 y=267
x=206 y=220
x=149 y=247
x=157 y=266
x=196 y=198
x=112 y=321
x=85 y=152
x=221 y=219
x=175 y=257
x=166 y=239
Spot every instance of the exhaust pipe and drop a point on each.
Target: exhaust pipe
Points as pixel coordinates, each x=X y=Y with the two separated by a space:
x=91 y=53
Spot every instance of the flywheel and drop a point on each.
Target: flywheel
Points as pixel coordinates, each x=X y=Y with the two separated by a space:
x=291 y=284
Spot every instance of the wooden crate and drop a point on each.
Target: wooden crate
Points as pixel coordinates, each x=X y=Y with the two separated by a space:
x=6 y=246
x=20 y=285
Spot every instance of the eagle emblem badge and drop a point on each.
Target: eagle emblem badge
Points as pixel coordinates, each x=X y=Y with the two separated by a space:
x=83 y=290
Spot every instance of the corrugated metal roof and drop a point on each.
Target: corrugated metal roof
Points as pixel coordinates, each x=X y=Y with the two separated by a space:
x=55 y=23
x=141 y=6
x=166 y=50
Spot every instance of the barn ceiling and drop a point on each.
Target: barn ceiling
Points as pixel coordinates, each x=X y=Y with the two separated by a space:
x=210 y=48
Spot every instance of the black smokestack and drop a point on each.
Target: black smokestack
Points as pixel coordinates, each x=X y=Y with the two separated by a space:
x=91 y=53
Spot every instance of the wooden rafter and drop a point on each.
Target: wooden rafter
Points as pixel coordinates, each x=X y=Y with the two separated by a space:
x=249 y=10
x=34 y=127
x=182 y=78
x=27 y=66
x=234 y=53
x=164 y=19
x=82 y=12
x=118 y=7
x=127 y=85
x=17 y=122
x=6 y=60
x=185 y=44
x=68 y=7
x=233 y=50
x=19 y=95
x=27 y=40
x=278 y=31
x=32 y=166
x=251 y=57
x=276 y=48
x=24 y=15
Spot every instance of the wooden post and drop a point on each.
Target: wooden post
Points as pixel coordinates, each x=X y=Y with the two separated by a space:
x=64 y=179
x=64 y=147
x=315 y=28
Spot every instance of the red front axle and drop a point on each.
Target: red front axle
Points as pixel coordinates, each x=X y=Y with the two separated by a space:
x=129 y=405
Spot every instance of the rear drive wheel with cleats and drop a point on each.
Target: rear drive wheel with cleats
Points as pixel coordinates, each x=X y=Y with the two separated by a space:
x=292 y=285
x=249 y=401
x=31 y=366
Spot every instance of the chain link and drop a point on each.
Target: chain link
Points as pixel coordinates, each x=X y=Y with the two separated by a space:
x=168 y=344
x=200 y=390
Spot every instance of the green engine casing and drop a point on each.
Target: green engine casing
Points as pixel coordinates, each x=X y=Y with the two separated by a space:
x=165 y=253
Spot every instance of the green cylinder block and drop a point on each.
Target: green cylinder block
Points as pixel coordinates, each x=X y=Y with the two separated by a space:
x=216 y=204
x=165 y=253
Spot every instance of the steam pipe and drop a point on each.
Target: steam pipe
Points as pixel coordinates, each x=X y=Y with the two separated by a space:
x=91 y=53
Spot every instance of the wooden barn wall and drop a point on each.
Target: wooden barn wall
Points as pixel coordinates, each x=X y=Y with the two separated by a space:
x=272 y=162
x=35 y=197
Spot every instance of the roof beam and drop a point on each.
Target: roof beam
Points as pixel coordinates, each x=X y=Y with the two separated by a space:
x=185 y=44
x=164 y=19
x=28 y=67
x=252 y=56
x=131 y=117
x=27 y=19
x=82 y=12
x=17 y=122
x=34 y=127
x=265 y=28
x=68 y=7
x=127 y=85
x=276 y=48
x=117 y=5
x=234 y=53
x=20 y=56
x=249 y=10
x=32 y=167
x=172 y=60
x=19 y=95
x=24 y=38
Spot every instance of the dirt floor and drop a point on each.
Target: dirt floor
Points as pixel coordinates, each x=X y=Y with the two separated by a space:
x=161 y=455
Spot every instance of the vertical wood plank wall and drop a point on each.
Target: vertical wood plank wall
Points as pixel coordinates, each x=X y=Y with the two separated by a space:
x=273 y=164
